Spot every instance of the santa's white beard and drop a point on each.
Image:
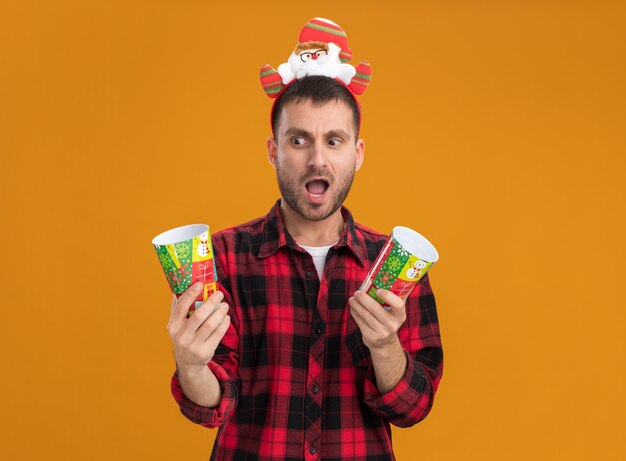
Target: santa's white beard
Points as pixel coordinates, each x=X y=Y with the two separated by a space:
x=328 y=65
x=320 y=66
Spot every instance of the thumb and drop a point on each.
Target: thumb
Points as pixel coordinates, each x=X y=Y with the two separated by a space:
x=174 y=299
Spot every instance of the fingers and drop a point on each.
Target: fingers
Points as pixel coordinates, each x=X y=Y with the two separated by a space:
x=210 y=324
x=201 y=345
x=371 y=313
x=186 y=333
x=361 y=303
x=174 y=299
x=216 y=336
x=180 y=310
x=378 y=326
x=391 y=299
x=196 y=338
x=372 y=307
x=357 y=313
x=384 y=316
x=204 y=311
x=181 y=328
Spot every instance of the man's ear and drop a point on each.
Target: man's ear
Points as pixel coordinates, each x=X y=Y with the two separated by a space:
x=272 y=151
x=360 y=154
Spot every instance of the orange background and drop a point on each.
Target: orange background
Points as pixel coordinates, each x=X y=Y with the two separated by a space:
x=494 y=128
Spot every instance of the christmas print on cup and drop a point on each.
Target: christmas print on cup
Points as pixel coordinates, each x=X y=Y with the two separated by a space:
x=403 y=261
x=186 y=256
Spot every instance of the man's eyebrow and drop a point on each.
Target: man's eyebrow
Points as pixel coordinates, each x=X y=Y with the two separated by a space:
x=297 y=131
x=331 y=134
x=338 y=133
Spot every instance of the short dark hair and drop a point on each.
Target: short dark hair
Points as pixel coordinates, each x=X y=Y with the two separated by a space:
x=319 y=90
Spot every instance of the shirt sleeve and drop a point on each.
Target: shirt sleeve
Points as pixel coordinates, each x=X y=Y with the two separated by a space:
x=224 y=365
x=206 y=416
x=412 y=398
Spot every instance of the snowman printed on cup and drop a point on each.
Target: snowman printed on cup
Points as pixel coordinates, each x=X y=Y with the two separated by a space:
x=414 y=272
x=203 y=247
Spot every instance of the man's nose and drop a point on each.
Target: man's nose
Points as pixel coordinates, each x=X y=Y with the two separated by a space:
x=317 y=157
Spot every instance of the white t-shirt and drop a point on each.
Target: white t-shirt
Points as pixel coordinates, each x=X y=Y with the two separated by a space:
x=319 y=256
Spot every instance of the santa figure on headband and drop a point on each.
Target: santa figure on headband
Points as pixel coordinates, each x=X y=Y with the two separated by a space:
x=322 y=49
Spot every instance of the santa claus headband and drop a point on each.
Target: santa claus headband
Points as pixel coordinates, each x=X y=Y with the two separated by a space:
x=322 y=49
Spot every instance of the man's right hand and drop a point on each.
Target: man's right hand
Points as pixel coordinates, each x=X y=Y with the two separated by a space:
x=196 y=338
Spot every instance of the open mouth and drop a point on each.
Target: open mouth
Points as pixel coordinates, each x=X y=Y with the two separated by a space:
x=317 y=187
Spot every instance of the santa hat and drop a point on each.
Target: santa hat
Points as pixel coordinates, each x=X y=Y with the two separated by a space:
x=324 y=30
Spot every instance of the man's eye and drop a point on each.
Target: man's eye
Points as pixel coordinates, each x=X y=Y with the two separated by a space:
x=334 y=142
x=298 y=140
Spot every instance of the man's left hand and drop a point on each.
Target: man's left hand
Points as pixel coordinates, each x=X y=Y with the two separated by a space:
x=378 y=326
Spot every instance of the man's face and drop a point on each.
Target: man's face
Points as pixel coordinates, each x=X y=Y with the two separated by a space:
x=315 y=157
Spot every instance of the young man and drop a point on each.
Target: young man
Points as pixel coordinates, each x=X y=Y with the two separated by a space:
x=301 y=365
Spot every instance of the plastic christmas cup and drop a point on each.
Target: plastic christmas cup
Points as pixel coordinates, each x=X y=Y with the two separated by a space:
x=403 y=261
x=186 y=256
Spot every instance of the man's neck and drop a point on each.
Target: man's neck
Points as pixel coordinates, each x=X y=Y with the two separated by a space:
x=312 y=233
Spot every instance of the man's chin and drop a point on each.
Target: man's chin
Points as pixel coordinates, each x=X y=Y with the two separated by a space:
x=315 y=211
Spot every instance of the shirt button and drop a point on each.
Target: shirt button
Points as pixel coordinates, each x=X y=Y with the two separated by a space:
x=309 y=274
x=312 y=450
x=315 y=389
x=318 y=331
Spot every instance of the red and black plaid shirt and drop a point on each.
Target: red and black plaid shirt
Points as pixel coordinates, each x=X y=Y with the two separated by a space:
x=297 y=380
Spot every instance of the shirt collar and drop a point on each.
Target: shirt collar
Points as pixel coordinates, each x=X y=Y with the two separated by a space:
x=276 y=235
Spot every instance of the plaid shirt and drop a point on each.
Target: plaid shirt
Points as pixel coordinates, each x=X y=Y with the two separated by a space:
x=297 y=381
